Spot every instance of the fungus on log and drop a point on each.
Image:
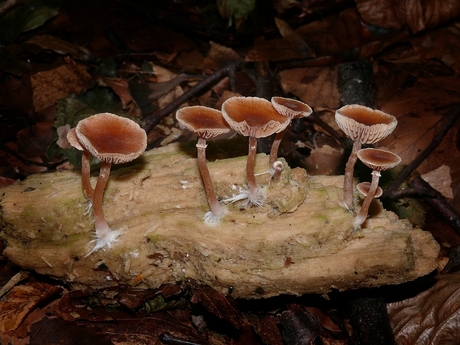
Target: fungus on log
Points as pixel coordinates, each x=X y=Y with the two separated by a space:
x=160 y=200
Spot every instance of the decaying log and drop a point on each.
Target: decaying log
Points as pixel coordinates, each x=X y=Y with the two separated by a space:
x=300 y=242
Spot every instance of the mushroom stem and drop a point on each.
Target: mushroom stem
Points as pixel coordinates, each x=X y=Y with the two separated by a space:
x=254 y=196
x=216 y=208
x=274 y=155
x=348 y=179
x=85 y=175
x=99 y=219
x=105 y=237
x=363 y=212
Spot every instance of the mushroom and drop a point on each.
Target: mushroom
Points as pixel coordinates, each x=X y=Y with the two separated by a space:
x=85 y=165
x=207 y=123
x=111 y=139
x=255 y=118
x=364 y=126
x=378 y=160
x=364 y=187
x=293 y=109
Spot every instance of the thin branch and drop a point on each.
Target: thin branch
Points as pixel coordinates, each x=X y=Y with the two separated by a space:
x=452 y=117
x=438 y=202
x=228 y=70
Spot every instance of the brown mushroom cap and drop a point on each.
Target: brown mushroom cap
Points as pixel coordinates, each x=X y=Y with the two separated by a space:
x=291 y=107
x=204 y=121
x=365 y=124
x=378 y=159
x=364 y=188
x=111 y=138
x=73 y=140
x=253 y=116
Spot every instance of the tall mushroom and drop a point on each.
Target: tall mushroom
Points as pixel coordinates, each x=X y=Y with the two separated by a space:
x=364 y=126
x=255 y=118
x=293 y=109
x=207 y=123
x=378 y=160
x=112 y=139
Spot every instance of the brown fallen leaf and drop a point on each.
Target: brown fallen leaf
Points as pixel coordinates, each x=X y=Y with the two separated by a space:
x=267 y=328
x=121 y=87
x=418 y=15
x=60 y=46
x=431 y=317
x=221 y=54
x=49 y=86
x=21 y=300
x=324 y=160
x=440 y=180
x=217 y=304
x=316 y=86
x=290 y=46
x=336 y=34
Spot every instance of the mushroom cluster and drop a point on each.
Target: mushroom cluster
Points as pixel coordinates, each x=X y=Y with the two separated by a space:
x=363 y=125
x=112 y=139
x=253 y=117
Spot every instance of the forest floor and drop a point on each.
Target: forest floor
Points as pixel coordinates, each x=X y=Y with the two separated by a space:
x=63 y=61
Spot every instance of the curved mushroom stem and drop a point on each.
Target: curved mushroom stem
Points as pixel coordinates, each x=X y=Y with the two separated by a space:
x=274 y=153
x=254 y=194
x=362 y=215
x=105 y=237
x=85 y=175
x=217 y=209
x=348 y=179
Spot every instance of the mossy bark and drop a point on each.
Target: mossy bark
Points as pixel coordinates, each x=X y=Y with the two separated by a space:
x=300 y=241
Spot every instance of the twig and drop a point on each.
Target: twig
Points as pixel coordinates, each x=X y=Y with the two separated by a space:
x=315 y=118
x=452 y=117
x=438 y=202
x=153 y=119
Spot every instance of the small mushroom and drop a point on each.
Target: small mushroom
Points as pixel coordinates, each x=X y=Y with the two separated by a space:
x=293 y=109
x=207 y=123
x=378 y=160
x=364 y=187
x=111 y=139
x=85 y=165
x=363 y=125
x=255 y=118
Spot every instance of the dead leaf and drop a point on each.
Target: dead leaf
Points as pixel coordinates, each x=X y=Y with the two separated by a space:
x=5 y=181
x=440 y=180
x=442 y=44
x=323 y=160
x=49 y=86
x=217 y=304
x=35 y=140
x=21 y=300
x=267 y=328
x=121 y=88
x=431 y=317
x=316 y=86
x=221 y=54
x=418 y=15
x=55 y=331
x=336 y=34
x=48 y=42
